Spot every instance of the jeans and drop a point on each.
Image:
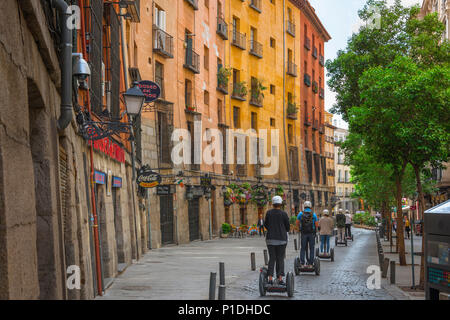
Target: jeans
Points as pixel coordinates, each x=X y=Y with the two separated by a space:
x=341 y=234
x=308 y=239
x=325 y=242
x=276 y=257
x=348 y=230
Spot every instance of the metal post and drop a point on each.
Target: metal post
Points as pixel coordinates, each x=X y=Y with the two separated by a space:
x=252 y=261
x=210 y=222
x=222 y=281
x=149 y=223
x=266 y=258
x=212 y=286
x=392 y=272
x=412 y=260
x=381 y=256
x=295 y=245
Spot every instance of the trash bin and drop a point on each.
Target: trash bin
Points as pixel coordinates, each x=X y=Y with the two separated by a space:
x=437 y=251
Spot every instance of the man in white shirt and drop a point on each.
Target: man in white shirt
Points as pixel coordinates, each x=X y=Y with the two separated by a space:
x=348 y=224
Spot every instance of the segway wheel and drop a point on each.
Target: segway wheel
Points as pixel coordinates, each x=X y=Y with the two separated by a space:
x=262 y=282
x=290 y=284
x=332 y=254
x=317 y=266
x=352 y=238
x=317 y=252
x=297 y=266
x=345 y=242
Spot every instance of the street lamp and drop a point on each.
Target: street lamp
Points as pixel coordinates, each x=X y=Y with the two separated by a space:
x=134 y=100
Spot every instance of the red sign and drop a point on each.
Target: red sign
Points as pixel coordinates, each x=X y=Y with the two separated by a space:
x=110 y=148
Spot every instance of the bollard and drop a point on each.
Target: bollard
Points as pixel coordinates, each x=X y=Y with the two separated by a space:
x=295 y=245
x=252 y=261
x=212 y=286
x=221 y=292
x=266 y=258
x=392 y=272
x=381 y=258
x=385 y=268
x=222 y=273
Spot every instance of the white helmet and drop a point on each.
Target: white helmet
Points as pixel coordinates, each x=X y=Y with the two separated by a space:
x=307 y=204
x=326 y=212
x=346 y=211
x=277 y=200
x=340 y=210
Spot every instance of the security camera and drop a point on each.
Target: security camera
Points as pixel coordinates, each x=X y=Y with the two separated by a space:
x=80 y=68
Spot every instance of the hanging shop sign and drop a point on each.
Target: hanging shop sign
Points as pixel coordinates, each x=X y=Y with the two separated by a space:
x=99 y=177
x=116 y=182
x=150 y=89
x=164 y=190
x=147 y=178
x=110 y=148
x=205 y=182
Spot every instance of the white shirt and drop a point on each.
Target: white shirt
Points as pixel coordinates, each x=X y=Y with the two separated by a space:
x=348 y=218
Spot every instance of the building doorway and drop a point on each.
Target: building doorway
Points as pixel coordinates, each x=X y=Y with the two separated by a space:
x=194 y=221
x=166 y=218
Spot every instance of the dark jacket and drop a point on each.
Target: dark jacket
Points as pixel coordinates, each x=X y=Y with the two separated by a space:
x=277 y=224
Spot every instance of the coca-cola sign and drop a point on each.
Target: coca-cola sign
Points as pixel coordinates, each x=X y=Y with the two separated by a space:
x=147 y=178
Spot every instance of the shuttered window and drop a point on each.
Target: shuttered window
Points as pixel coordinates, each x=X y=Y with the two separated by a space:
x=63 y=185
x=164 y=138
x=96 y=55
x=114 y=63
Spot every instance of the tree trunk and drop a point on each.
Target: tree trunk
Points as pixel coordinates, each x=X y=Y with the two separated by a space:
x=421 y=213
x=400 y=234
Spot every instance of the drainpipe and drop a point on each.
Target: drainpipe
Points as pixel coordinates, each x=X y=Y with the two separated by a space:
x=66 y=64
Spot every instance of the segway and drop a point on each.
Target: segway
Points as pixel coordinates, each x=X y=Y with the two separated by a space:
x=265 y=287
x=324 y=255
x=299 y=269
x=349 y=238
x=337 y=242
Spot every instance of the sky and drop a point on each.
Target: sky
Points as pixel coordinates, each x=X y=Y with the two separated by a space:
x=340 y=18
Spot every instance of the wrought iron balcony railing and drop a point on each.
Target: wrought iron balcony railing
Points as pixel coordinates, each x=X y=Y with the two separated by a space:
x=307 y=79
x=238 y=39
x=307 y=121
x=307 y=43
x=222 y=28
x=322 y=93
x=315 y=87
x=256 y=4
x=314 y=53
x=256 y=49
x=290 y=27
x=193 y=3
x=291 y=69
x=322 y=60
x=315 y=124
x=163 y=42
x=192 y=61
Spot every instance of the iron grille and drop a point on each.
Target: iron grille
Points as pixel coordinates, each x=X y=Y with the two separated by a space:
x=95 y=55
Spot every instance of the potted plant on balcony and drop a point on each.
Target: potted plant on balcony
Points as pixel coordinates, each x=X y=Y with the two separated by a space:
x=257 y=94
x=315 y=87
x=240 y=89
x=190 y=108
x=292 y=109
x=223 y=76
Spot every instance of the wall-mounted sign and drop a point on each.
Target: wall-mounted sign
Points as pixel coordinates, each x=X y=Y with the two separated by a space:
x=147 y=178
x=116 y=182
x=205 y=182
x=99 y=177
x=163 y=190
x=150 y=89
x=110 y=148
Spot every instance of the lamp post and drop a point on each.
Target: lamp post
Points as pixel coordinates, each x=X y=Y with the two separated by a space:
x=134 y=100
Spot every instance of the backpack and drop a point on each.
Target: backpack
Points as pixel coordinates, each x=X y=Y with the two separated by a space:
x=340 y=220
x=307 y=223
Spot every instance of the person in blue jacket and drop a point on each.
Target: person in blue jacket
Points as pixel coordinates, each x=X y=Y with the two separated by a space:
x=307 y=222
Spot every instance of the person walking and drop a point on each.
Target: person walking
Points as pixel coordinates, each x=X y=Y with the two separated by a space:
x=278 y=226
x=307 y=223
x=340 y=223
x=407 y=227
x=325 y=226
x=260 y=226
x=348 y=224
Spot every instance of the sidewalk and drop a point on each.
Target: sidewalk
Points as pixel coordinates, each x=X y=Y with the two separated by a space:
x=403 y=276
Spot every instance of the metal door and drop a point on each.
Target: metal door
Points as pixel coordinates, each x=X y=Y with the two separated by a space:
x=166 y=212
x=194 y=213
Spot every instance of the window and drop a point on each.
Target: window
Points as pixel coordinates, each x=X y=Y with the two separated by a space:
x=164 y=138
x=272 y=122
x=219 y=111
x=160 y=18
x=290 y=133
x=188 y=93
x=272 y=42
x=206 y=98
x=272 y=89
x=206 y=58
x=159 y=77
x=236 y=117
x=254 y=121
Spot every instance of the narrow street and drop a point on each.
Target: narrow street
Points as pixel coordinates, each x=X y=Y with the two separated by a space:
x=182 y=272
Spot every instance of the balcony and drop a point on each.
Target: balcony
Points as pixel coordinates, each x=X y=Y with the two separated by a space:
x=321 y=129
x=238 y=39
x=290 y=28
x=314 y=53
x=307 y=80
x=256 y=100
x=256 y=5
x=133 y=9
x=322 y=60
x=239 y=91
x=315 y=87
x=292 y=111
x=315 y=125
x=307 y=43
x=163 y=42
x=193 y=3
x=307 y=121
x=322 y=93
x=222 y=28
x=291 y=69
x=256 y=49
x=192 y=61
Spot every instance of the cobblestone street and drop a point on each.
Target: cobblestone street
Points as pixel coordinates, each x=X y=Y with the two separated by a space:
x=182 y=272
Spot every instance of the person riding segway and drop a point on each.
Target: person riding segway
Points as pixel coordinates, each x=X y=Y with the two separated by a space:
x=348 y=225
x=325 y=227
x=340 y=223
x=277 y=225
x=307 y=222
